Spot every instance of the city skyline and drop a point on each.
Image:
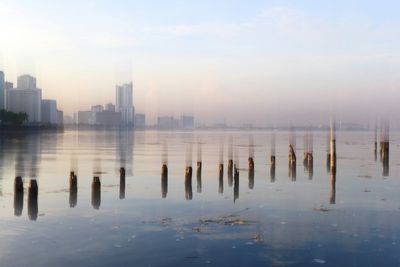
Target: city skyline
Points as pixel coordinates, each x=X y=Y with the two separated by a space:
x=264 y=62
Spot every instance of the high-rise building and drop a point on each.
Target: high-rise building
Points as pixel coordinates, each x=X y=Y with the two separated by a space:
x=26 y=98
x=140 y=120
x=26 y=82
x=187 y=122
x=95 y=110
x=84 y=117
x=110 y=107
x=124 y=103
x=7 y=86
x=49 y=112
x=2 y=93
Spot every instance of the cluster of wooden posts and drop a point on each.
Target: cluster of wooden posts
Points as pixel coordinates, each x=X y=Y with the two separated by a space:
x=232 y=173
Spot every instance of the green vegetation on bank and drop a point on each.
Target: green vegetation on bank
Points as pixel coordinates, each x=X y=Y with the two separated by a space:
x=12 y=118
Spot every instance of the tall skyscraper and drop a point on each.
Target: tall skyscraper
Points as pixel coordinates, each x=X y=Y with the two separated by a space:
x=26 y=98
x=7 y=86
x=2 y=93
x=124 y=103
x=49 y=112
x=26 y=82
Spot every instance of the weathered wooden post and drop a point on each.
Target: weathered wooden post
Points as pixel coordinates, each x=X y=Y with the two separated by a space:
x=251 y=172
x=221 y=179
x=188 y=183
x=230 y=172
x=122 y=183
x=18 y=196
x=198 y=176
x=272 y=162
x=164 y=181
x=333 y=145
x=73 y=189
x=236 y=184
x=33 y=200
x=292 y=163
x=96 y=192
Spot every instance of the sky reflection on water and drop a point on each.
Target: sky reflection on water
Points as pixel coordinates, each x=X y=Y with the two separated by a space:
x=215 y=216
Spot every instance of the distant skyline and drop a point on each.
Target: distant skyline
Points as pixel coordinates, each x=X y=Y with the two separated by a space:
x=258 y=62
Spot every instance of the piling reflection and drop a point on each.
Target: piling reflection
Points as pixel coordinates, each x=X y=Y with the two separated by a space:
x=96 y=193
x=122 y=183
x=164 y=181
x=188 y=183
x=18 y=196
x=73 y=189
x=332 y=197
x=328 y=153
x=33 y=200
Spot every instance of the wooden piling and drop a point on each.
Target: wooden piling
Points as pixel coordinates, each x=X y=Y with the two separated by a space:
x=33 y=200
x=96 y=192
x=251 y=172
x=236 y=184
x=230 y=173
x=272 y=162
x=188 y=183
x=18 y=196
x=164 y=181
x=198 y=176
x=122 y=183
x=73 y=190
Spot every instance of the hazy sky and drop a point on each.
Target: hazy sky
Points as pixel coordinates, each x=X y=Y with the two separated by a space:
x=243 y=61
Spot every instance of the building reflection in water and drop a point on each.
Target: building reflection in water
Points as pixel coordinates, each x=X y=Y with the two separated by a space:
x=28 y=147
x=121 y=183
x=125 y=147
x=73 y=189
x=292 y=154
x=188 y=183
x=230 y=162
x=376 y=141
x=18 y=196
x=199 y=166
x=96 y=192
x=33 y=200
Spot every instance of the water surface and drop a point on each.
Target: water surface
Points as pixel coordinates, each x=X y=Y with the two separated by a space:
x=309 y=218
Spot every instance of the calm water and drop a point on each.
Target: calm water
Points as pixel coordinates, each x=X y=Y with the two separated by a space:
x=307 y=220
